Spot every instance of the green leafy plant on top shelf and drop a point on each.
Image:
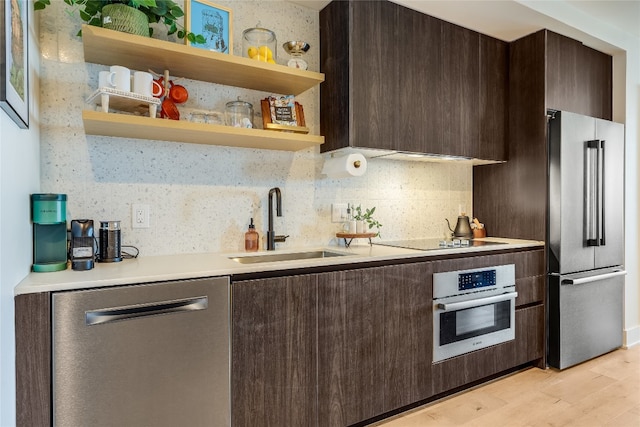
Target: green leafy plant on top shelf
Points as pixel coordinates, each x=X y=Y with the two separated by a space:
x=367 y=217
x=166 y=12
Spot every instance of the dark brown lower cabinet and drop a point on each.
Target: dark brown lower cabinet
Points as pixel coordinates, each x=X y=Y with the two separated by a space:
x=350 y=346
x=274 y=365
x=33 y=360
x=408 y=334
x=362 y=336
x=529 y=342
x=374 y=341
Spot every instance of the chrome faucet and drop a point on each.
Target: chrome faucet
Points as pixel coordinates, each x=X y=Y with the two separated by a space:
x=271 y=234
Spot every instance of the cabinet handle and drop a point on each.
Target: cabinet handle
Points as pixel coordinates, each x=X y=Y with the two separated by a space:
x=108 y=315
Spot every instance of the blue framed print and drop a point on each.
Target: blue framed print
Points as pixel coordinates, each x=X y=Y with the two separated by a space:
x=214 y=22
x=14 y=64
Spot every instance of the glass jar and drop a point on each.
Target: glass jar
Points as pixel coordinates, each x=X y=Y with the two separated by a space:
x=239 y=114
x=259 y=44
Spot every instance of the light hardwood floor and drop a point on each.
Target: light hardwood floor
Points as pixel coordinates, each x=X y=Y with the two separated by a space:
x=601 y=392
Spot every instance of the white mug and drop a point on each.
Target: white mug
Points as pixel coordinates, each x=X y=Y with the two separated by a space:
x=121 y=78
x=142 y=82
x=105 y=80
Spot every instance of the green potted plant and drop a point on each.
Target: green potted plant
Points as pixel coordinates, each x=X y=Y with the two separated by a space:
x=129 y=16
x=367 y=218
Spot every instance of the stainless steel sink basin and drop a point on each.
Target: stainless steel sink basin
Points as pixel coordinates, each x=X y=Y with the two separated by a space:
x=291 y=256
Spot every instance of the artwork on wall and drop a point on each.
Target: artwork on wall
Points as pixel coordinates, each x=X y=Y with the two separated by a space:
x=14 y=70
x=213 y=22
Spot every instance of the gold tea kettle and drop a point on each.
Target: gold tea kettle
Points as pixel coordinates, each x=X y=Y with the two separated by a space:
x=463 y=227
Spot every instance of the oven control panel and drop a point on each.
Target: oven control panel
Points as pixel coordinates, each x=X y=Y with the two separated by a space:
x=476 y=279
x=494 y=278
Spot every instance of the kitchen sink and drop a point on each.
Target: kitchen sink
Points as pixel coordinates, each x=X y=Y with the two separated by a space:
x=291 y=256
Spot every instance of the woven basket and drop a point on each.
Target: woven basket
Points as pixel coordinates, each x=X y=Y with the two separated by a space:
x=127 y=19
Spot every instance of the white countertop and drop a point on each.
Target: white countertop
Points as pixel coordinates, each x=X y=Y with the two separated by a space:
x=191 y=266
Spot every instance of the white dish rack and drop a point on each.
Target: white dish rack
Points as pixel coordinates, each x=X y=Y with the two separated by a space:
x=124 y=101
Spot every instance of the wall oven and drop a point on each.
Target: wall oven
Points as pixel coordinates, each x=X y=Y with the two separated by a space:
x=473 y=309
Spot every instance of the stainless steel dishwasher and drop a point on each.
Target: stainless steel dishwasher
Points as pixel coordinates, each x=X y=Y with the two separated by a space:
x=143 y=355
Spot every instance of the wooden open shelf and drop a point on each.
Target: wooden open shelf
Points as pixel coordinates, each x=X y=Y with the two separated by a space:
x=130 y=126
x=109 y=47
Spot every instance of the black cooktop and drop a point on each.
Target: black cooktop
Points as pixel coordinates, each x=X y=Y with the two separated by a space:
x=434 y=244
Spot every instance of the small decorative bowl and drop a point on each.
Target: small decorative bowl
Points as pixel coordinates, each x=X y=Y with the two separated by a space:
x=296 y=47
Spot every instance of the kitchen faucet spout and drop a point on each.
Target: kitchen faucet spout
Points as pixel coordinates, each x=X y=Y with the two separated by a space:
x=271 y=234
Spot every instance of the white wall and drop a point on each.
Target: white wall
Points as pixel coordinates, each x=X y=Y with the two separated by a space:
x=19 y=177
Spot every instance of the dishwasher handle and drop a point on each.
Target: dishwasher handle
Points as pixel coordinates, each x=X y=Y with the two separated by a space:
x=477 y=302
x=594 y=278
x=98 y=317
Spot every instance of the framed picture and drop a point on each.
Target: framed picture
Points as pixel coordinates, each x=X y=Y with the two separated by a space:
x=14 y=70
x=213 y=22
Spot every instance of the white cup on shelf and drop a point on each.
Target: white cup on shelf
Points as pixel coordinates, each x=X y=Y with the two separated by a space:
x=142 y=83
x=120 y=77
x=104 y=80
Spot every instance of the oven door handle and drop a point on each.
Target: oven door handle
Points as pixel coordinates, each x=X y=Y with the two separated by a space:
x=476 y=302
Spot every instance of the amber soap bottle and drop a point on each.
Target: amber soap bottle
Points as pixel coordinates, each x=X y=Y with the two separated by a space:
x=251 y=238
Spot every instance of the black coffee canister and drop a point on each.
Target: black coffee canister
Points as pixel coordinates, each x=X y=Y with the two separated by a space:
x=81 y=244
x=110 y=250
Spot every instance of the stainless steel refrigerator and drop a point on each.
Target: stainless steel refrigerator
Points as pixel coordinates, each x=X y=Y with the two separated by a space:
x=585 y=238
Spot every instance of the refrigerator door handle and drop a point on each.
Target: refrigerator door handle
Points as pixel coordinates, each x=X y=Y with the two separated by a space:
x=590 y=279
x=592 y=196
x=601 y=195
x=98 y=317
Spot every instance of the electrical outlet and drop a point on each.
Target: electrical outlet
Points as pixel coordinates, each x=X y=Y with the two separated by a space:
x=139 y=216
x=338 y=212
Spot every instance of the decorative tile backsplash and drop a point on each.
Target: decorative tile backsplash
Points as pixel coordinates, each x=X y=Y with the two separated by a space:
x=201 y=197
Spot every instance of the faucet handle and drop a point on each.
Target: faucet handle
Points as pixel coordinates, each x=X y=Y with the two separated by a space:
x=280 y=238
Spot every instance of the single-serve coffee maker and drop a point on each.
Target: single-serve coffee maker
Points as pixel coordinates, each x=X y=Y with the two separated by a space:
x=49 y=217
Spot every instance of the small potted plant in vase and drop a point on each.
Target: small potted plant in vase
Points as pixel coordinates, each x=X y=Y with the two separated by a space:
x=365 y=221
x=129 y=16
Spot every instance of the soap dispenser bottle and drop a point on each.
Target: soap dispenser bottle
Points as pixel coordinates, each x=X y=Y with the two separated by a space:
x=251 y=238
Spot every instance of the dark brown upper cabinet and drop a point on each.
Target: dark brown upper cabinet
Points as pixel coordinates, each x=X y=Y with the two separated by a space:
x=579 y=78
x=460 y=84
x=397 y=79
x=359 y=46
x=420 y=89
x=546 y=71
x=493 y=111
